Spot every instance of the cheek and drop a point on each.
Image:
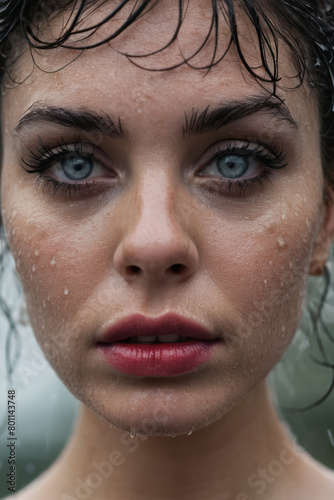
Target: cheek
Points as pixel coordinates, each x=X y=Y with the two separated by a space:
x=56 y=257
x=59 y=267
x=260 y=268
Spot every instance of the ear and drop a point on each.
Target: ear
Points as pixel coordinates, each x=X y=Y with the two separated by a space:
x=325 y=238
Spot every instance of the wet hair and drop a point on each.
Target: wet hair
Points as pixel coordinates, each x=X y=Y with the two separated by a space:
x=306 y=29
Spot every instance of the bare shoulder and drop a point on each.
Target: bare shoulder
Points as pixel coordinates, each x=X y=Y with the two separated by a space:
x=42 y=488
x=28 y=493
x=319 y=480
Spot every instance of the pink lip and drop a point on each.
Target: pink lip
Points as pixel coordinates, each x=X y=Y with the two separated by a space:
x=139 y=325
x=160 y=359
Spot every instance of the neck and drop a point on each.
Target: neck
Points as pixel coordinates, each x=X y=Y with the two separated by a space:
x=219 y=461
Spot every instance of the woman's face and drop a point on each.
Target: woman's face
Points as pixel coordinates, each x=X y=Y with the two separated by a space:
x=185 y=192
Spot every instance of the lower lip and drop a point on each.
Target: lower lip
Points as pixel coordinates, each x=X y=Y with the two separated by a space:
x=157 y=360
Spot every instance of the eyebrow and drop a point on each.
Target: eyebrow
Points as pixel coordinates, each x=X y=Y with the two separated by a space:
x=82 y=119
x=195 y=123
x=208 y=120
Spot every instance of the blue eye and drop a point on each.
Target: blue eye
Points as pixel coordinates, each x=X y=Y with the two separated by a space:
x=242 y=162
x=76 y=168
x=232 y=166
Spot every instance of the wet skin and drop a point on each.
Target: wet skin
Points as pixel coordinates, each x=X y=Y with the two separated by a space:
x=160 y=226
x=157 y=227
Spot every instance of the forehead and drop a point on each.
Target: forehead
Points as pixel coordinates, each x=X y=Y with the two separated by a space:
x=134 y=84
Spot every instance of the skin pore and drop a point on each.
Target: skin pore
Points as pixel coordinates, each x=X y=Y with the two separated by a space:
x=234 y=258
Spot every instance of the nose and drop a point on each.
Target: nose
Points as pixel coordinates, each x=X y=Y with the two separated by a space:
x=155 y=245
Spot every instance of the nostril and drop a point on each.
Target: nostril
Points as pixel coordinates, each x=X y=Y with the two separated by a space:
x=177 y=268
x=132 y=270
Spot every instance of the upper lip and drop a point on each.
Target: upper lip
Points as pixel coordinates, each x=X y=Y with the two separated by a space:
x=140 y=325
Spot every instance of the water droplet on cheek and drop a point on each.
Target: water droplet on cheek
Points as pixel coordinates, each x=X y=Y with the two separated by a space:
x=281 y=242
x=33 y=268
x=65 y=290
x=36 y=253
x=53 y=262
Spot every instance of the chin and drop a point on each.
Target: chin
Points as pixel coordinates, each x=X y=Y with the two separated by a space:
x=150 y=425
x=162 y=414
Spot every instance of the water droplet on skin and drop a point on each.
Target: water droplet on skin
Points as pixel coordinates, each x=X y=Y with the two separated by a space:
x=265 y=282
x=281 y=242
x=132 y=433
x=36 y=253
x=283 y=216
x=283 y=328
x=53 y=262
x=189 y=433
x=33 y=268
x=66 y=291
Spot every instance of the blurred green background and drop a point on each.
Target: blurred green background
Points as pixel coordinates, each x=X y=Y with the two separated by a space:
x=46 y=411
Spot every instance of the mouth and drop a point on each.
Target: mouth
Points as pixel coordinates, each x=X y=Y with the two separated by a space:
x=154 y=347
x=156 y=339
x=167 y=328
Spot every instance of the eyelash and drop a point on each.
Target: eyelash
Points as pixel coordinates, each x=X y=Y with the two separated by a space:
x=269 y=160
x=45 y=157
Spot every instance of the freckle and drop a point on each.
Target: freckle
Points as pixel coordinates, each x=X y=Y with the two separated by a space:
x=66 y=291
x=53 y=262
x=281 y=242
